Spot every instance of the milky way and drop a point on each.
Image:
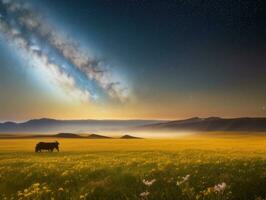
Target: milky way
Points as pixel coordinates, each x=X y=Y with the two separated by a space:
x=71 y=68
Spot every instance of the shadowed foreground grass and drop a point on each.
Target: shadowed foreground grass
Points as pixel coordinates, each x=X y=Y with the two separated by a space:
x=187 y=168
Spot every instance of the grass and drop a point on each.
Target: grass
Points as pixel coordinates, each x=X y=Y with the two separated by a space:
x=210 y=167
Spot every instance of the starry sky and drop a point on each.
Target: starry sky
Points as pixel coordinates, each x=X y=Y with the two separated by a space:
x=132 y=59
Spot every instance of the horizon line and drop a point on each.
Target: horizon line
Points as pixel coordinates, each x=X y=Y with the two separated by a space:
x=128 y=119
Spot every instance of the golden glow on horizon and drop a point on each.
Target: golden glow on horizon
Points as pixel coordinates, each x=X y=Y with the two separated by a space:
x=167 y=106
x=123 y=112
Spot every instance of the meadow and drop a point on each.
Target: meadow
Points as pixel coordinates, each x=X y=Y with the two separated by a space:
x=194 y=167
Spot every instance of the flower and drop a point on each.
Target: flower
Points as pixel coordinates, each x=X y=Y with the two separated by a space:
x=186 y=177
x=144 y=194
x=148 y=183
x=183 y=180
x=219 y=187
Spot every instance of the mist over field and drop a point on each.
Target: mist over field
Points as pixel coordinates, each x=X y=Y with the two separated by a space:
x=138 y=128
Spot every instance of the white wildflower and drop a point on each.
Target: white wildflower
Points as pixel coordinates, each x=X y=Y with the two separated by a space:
x=183 y=180
x=148 y=183
x=144 y=194
x=220 y=187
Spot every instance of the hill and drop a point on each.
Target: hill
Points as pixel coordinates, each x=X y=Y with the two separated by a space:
x=46 y=125
x=210 y=124
x=50 y=126
x=59 y=135
x=67 y=135
x=129 y=137
x=95 y=136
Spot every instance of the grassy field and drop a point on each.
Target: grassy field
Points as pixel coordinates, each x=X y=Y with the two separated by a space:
x=209 y=167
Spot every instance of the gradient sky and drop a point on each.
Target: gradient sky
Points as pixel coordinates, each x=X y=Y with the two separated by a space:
x=144 y=59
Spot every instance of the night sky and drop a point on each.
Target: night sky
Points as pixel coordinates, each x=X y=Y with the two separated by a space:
x=132 y=59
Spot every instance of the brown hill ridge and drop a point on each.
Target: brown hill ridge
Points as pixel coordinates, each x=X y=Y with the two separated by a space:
x=64 y=135
x=129 y=137
x=95 y=136
x=210 y=124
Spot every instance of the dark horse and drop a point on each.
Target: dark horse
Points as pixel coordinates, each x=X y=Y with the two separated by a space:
x=49 y=146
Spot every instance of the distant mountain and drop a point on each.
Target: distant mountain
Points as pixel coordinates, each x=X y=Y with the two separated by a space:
x=129 y=137
x=210 y=124
x=95 y=136
x=67 y=135
x=52 y=126
x=64 y=135
x=46 y=125
x=59 y=135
